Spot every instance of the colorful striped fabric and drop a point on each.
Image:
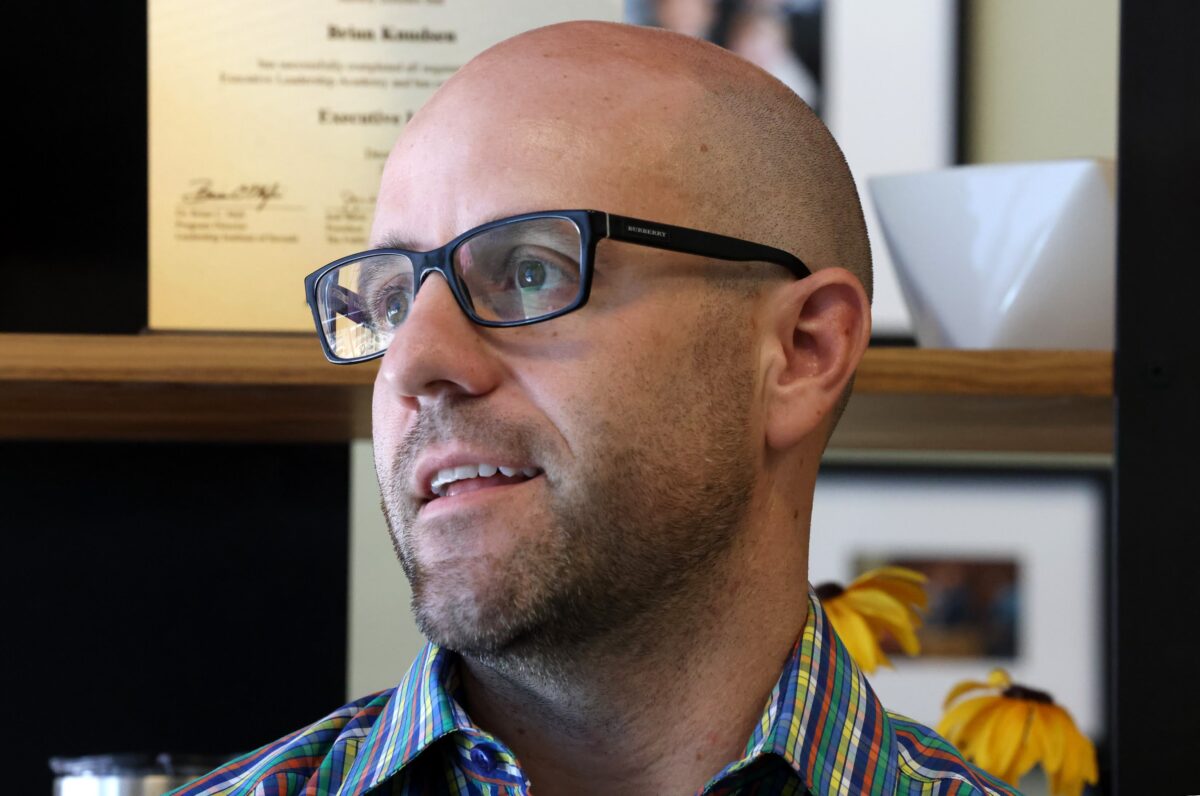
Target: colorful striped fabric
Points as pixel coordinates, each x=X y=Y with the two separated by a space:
x=823 y=732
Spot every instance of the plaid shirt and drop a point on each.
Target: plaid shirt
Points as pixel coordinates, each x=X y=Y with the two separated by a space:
x=823 y=732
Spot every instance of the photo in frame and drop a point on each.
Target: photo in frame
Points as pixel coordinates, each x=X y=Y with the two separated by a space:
x=1032 y=542
x=974 y=601
x=883 y=76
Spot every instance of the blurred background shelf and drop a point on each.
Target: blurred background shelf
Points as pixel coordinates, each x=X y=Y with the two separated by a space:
x=278 y=388
x=981 y=407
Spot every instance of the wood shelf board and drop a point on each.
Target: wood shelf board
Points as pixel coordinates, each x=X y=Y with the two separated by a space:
x=988 y=423
x=278 y=387
x=984 y=372
x=265 y=359
x=190 y=413
x=164 y=358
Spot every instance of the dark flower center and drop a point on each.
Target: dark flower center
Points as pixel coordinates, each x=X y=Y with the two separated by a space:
x=1030 y=694
x=827 y=591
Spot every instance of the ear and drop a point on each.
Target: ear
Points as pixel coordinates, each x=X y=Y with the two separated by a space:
x=818 y=328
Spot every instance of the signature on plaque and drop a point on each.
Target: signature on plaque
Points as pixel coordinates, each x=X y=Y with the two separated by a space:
x=261 y=194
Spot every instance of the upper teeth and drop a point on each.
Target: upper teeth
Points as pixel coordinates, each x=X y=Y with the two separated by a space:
x=449 y=475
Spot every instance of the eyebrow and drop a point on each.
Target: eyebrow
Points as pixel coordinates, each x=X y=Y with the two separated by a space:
x=396 y=240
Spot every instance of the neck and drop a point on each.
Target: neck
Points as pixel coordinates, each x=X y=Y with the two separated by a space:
x=663 y=707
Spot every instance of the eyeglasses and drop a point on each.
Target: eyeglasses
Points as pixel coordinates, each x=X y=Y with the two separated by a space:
x=512 y=272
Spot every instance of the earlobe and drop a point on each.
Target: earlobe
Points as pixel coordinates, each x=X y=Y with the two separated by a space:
x=820 y=327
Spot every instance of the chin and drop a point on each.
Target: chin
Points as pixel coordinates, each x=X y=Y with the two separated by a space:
x=472 y=614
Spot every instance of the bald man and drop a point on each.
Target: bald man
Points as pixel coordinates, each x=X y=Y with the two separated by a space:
x=620 y=287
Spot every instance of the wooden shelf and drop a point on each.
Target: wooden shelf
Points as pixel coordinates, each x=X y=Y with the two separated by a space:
x=1030 y=402
x=278 y=387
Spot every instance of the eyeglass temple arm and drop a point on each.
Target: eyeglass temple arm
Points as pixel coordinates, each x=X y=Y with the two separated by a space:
x=342 y=301
x=705 y=244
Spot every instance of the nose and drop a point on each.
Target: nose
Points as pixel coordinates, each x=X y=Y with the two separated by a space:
x=436 y=352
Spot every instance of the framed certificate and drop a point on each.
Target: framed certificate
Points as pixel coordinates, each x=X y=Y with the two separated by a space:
x=269 y=125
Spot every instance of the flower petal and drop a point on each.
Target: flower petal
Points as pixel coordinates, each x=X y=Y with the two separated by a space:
x=1070 y=779
x=1033 y=746
x=889 y=614
x=876 y=602
x=960 y=715
x=855 y=634
x=1091 y=767
x=1056 y=724
x=962 y=688
x=1079 y=758
x=905 y=585
x=984 y=746
x=974 y=732
x=1009 y=737
x=892 y=572
x=1005 y=735
x=1067 y=781
x=909 y=593
x=998 y=678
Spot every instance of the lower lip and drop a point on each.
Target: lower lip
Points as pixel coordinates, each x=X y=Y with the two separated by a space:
x=466 y=500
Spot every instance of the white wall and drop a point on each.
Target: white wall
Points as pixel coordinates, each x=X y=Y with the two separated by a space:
x=1042 y=79
x=383 y=637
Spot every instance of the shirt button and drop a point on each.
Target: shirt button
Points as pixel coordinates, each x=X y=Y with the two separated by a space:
x=483 y=760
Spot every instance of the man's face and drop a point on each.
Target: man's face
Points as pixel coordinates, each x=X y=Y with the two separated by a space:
x=631 y=420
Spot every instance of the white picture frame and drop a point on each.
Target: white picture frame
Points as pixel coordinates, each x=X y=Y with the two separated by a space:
x=887 y=88
x=890 y=72
x=1051 y=524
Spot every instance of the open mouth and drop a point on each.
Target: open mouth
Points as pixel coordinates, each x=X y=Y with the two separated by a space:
x=465 y=478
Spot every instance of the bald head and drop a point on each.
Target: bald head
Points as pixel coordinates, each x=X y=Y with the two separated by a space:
x=641 y=122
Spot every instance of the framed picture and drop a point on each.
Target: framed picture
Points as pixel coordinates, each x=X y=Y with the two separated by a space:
x=883 y=76
x=1014 y=561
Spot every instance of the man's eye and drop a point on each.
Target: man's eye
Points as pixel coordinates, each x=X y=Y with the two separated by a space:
x=535 y=273
x=395 y=307
x=530 y=274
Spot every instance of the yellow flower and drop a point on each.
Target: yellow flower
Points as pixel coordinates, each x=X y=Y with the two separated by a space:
x=1012 y=729
x=880 y=602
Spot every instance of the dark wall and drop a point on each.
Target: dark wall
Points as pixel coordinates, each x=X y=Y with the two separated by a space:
x=161 y=597
x=74 y=254
x=1156 y=546
x=187 y=598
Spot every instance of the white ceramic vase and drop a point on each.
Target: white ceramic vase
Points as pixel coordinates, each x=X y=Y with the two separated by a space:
x=1019 y=255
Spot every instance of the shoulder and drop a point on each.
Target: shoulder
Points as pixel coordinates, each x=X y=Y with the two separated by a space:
x=286 y=765
x=927 y=758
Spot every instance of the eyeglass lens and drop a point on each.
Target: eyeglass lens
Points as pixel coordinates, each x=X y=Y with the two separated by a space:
x=519 y=271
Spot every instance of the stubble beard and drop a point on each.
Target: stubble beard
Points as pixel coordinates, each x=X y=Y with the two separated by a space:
x=625 y=547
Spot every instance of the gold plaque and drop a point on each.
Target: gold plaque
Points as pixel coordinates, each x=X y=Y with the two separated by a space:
x=269 y=126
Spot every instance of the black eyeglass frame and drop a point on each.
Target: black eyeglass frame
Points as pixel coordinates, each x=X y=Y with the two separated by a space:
x=593 y=225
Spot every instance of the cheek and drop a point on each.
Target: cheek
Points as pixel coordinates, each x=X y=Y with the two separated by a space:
x=387 y=420
x=620 y=385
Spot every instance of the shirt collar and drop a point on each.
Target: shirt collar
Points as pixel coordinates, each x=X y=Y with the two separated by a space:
x=421 y=710
x=822 y=718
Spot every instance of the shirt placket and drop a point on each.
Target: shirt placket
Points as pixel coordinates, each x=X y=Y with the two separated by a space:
x=489 y=765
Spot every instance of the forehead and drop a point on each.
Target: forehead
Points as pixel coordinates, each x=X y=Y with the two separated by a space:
x=513 y=138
